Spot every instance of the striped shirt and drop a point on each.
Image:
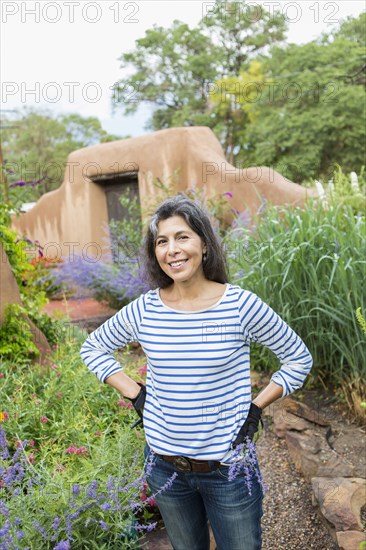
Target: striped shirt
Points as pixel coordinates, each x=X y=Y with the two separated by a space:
x=198 y=366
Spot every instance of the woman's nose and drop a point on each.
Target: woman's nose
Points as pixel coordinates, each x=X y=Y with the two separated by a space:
x=172 y=246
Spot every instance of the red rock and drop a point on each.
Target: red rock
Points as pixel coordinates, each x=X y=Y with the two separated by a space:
x=340 y=500
x=302 y=410
x=284 y=421
x=350 y=540
x=304 y=449
x=336 y=466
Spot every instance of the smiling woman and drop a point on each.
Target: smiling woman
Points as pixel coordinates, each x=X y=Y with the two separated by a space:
x=179 y=232
x=197 y=409
x=181 y=253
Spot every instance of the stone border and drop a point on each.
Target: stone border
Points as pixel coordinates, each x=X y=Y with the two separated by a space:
x=337 y=493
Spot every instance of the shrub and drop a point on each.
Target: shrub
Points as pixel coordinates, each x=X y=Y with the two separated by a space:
x=16 y=342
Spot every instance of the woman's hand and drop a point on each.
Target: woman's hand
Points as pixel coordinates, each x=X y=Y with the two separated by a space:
x=138 y=403
x=250 y=426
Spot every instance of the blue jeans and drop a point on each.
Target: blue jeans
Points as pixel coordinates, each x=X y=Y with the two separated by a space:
x=194 y=498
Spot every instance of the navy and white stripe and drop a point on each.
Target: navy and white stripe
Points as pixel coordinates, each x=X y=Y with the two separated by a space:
x=198 y=368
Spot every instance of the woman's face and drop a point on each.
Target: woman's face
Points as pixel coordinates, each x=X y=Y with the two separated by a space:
x=179 y=250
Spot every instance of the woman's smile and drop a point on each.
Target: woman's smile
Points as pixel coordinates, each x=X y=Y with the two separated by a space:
x=177 y=264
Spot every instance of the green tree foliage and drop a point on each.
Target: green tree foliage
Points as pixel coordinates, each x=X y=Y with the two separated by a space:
x=175 y=69
x=353 y=28
x=241 y=31
x=36 y=147
x=311 y=113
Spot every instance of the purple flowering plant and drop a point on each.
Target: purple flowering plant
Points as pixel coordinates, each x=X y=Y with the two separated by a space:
x=245 y=463
x=115 y=277
x=37 y=510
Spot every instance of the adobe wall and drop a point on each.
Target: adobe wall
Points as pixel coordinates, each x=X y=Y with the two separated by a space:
x=72 y=217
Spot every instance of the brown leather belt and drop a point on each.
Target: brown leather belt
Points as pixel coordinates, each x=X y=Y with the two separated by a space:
x=185 y=464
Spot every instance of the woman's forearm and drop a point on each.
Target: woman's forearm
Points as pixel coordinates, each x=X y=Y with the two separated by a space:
x=268 y=395
x=124 y=384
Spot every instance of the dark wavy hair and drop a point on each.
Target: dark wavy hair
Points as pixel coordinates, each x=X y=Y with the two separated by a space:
x=214 y=265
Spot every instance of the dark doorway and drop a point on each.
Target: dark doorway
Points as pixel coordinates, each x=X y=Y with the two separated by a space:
x=124 y=220
x=115 y=186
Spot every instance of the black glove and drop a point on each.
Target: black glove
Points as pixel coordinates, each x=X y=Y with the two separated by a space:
x=138 y=403
x=250 y=426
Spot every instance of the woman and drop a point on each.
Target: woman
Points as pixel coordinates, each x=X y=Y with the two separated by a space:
x=195 y=329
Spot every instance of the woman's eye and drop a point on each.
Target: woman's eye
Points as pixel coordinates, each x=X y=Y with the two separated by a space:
x=163 y=241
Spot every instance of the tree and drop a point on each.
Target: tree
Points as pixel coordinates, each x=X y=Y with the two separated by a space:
x=233 y=98
x=176 y=69
x=170 y=66
x=242 y=31
x=353 y=29
x=36 y=147
x=311 y=114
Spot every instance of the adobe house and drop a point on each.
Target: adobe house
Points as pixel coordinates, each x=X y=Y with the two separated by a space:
x=72 y=219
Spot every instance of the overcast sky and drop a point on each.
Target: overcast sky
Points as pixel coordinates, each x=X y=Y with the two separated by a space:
x=63 y=55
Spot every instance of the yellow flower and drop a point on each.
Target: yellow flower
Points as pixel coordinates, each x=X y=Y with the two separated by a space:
x=3 y=416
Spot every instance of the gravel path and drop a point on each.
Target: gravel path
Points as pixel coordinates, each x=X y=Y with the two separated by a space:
x=290 y=522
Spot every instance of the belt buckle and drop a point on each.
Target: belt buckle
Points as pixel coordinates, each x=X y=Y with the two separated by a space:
x=182 y=464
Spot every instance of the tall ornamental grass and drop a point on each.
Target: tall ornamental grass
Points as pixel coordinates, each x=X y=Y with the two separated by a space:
x=309 y=266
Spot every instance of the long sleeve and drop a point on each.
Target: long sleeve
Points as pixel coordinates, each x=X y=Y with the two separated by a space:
x=262 y=324
x=117 y=332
